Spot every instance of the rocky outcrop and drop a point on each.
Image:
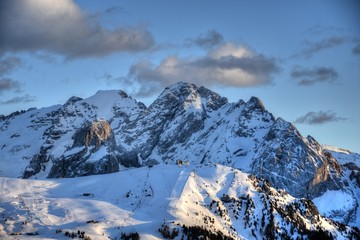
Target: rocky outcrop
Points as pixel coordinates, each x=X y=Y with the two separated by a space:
x=327 y=175
x=93 y=152
x=37 y=163
x=354 y=172
x=294 y=163
x=94 y=135
x=178 y=114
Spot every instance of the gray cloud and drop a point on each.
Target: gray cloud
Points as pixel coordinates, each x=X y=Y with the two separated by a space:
x=109 y=11
x=48 y=58
x=226 y=65
x=8 y=64
x=323 y=29
x=114 y=9
x=7 y=84
x=308 y=77
x=21 y=99
x=210 y=39
x=321 y=117
x=64 y=30
x=313 y=47
x=356 y=49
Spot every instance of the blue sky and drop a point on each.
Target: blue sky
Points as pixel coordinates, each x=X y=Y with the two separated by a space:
x=301 y=58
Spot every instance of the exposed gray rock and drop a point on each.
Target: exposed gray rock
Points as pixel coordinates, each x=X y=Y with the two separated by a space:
x=149 y=132
x=296 y=164
x=72 y=100
x=79 y=160
x=93 y=135
x=355 y=172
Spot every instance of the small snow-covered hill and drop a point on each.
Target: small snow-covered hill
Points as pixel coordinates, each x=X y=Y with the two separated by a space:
x=208 y=199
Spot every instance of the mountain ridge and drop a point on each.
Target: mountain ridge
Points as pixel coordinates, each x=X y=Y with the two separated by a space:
x=188 y=123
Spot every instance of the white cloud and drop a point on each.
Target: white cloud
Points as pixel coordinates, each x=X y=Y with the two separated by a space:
x=60 y=26
x=228 y=65
x=230 y=49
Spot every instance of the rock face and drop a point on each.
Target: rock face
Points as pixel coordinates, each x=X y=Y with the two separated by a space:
x=93 y=152
x=354 y=172
x=296 y=164
x=194 y=124
x=94 y=135
x=170 y=123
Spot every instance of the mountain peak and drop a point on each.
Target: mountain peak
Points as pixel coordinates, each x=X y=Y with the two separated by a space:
x=180 y=86
x=188 y=94
x=255 y=103
x=110 y=93
x=179 y=90
x=72 y=100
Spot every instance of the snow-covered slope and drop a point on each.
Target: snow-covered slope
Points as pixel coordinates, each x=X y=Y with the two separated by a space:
x=343 y=156
x=111 y=132
x=194 y=200
x=343 y=205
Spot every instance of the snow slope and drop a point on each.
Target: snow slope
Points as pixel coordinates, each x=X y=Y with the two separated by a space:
x=343 y=156
x=142 y=200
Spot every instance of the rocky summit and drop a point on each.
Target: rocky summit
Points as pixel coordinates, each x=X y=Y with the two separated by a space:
x=111 y=132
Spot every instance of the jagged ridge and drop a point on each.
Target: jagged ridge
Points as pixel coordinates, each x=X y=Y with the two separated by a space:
x=185 y=122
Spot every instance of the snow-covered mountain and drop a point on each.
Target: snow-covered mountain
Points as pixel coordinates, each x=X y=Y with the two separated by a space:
x=111 y=132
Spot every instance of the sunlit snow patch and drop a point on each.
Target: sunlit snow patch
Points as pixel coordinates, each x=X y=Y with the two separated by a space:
x=335 y=204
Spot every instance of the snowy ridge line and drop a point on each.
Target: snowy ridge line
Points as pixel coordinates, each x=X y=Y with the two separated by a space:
x=111 y=132
x=180 y=183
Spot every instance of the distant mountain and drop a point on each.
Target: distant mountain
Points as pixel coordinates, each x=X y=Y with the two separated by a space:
x=110 y=132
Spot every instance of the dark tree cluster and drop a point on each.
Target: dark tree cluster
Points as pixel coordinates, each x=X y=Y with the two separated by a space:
x=191 y=233
x=167 y=233
x=78 y=234
x=249 y=207
x=130 y=236
x=200 y=233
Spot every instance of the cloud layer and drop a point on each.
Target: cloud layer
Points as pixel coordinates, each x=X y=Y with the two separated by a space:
x=317 y=118
x=210 y=39
x=227 y=64
x=8 y=64
x=356 y=49
x=7 y=84
x=314 y=47
x=61 y=27
x=306 y=77
x=20 y=99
